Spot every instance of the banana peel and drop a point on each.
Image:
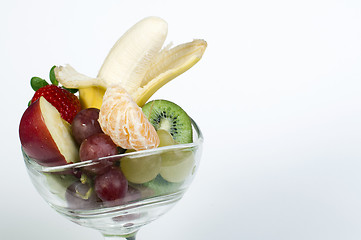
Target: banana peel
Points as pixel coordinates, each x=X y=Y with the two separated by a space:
x=91 y=97
x=172 y=63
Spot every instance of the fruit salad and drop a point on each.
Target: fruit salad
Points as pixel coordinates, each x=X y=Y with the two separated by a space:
x=105 y=119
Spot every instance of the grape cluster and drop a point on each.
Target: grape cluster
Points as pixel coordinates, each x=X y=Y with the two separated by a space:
x=113 y=181
x=101 y=182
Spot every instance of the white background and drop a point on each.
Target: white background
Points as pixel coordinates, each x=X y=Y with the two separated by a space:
x=277 y=95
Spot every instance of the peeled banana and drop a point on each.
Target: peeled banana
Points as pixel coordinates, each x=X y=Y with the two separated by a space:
x=130 y=57
x=137 y=63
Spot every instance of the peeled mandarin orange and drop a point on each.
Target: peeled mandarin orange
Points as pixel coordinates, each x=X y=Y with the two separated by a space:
x=123 y=120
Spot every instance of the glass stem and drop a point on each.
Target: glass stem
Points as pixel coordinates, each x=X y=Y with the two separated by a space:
x=116 y=237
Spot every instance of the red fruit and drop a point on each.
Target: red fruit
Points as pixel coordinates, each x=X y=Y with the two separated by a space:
x=64 y=101
x=111 y=186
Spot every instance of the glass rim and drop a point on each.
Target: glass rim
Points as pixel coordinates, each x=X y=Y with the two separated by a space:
x=193 y=145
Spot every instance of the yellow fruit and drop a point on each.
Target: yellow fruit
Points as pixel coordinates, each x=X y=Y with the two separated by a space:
x=91 y=97
x=136 y=63
x=167 y=65
x=130 y=57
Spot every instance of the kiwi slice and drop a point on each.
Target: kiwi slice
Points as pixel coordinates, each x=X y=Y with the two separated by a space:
x=161 y=186
x=163 y=114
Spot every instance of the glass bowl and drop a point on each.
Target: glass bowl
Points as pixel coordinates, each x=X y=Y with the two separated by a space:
x=71 y=193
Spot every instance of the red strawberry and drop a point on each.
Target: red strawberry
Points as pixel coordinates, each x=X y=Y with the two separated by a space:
x=64 y=101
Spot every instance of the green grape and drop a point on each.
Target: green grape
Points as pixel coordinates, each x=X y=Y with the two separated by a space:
x=165 y=138
x=177 y=165
x=140 y=169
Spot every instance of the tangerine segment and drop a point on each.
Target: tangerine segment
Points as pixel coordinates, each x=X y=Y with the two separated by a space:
x=123 y=120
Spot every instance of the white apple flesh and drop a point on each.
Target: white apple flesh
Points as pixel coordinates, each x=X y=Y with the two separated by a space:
x=45 y=136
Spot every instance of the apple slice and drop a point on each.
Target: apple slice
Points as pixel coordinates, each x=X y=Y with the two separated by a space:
x=45 y=136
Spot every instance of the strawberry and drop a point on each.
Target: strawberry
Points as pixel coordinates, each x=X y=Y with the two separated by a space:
x=64 y=101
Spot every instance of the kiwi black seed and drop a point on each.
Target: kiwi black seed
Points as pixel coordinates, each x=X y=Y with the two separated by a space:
x=163 y=114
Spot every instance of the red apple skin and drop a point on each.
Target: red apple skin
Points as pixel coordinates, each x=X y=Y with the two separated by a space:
x=36 y=140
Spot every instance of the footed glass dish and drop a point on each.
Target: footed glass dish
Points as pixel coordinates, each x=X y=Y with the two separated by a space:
x=71 y=193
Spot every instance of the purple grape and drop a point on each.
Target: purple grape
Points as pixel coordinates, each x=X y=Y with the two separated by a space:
x=77 y=173
x=111 y=186
x=132 y=194
x=97 y=146
x=85 y=124
x=81 y=196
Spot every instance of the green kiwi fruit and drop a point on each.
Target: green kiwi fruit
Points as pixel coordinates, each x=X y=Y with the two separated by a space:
x=163 y=114
x=161 y=186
